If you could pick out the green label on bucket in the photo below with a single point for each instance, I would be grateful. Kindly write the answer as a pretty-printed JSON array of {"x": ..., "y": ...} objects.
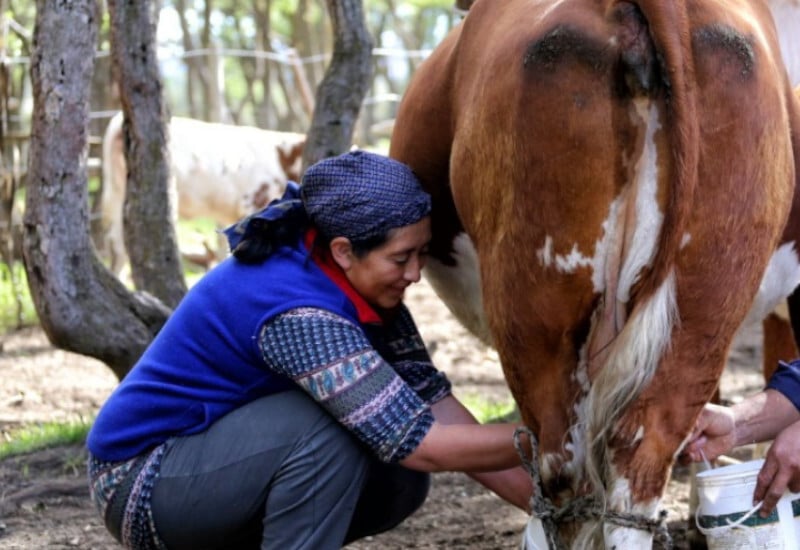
[
  {"x": 755, "y": 520},
  {"x": 796, "y": 507}
]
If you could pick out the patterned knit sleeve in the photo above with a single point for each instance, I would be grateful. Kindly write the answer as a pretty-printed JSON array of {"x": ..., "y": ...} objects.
[
  {"x": 406, "y": 352},
  {"x": 331, "y": 359}
]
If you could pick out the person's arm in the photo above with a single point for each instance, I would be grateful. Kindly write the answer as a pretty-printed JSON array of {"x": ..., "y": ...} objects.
[
  {"x": 331, "y": 359},
  {"x": 781, "y": 468},
  {"x": 405, "y": 350},
  {"x": 758, "y": 418},
  {"x": 761, "y": 417},
  {"x": 512, "y": 484}
]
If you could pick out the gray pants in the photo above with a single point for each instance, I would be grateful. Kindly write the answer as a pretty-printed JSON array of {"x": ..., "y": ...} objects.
[{"x": 278, "y": 473}]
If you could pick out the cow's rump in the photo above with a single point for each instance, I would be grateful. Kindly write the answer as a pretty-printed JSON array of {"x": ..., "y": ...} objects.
[{"x": 609, "y": 180}]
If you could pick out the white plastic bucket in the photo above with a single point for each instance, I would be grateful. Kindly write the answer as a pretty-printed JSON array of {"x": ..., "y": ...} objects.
[
  {"x": 534, "y": 537},
  {"x": 729, "y": 520}
]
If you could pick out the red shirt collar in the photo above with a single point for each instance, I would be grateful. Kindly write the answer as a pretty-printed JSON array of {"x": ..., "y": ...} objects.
[{"x": 366, "y": 313}]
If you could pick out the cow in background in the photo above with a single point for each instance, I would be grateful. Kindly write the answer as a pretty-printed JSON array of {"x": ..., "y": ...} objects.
[
  {"x": 610, "y": 182},
  {"x": 786, "y": 14},
  {"x": 218, "y": 171}
]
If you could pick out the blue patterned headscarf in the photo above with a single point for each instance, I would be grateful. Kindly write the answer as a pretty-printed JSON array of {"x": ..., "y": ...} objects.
[
  {"x": 361, "y": 195},
  {"x": 358, "y": 195}
]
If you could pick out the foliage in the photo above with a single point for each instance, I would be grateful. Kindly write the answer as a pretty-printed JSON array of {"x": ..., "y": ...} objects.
[
  {"x": 43, "y": 436},
  {"x": 16, "y": 304},
  {"x": 260, "y": 85},
  {"x": 192, "y": 233},
  {"x": 18, "y": 42}
]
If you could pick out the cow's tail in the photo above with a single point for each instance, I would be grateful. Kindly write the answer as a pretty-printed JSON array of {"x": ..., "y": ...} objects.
[
  {"x": 655, "y": 57},
  {"x": 668, "y": 78}
]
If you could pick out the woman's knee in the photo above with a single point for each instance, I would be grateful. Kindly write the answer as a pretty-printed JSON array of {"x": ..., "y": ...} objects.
[
  {"x": 391, "y": 494},
  {"x": 412, "y": 490}
]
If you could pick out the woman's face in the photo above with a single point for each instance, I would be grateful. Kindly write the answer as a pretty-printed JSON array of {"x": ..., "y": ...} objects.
[{"x": 383, "y": 275}]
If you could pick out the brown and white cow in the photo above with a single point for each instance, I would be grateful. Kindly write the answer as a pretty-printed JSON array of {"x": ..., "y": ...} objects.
[
  {"x": 218, "y": 171},
  {"x": 610, "y": 180}
]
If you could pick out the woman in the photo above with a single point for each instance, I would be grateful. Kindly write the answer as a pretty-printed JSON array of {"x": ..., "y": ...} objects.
[
  {"x": 771, "y": 414},
  {"x": 289, "y": 401}
]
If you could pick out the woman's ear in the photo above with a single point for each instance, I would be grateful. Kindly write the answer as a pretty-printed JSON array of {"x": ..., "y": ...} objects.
[{"x": 342, "y": 252}]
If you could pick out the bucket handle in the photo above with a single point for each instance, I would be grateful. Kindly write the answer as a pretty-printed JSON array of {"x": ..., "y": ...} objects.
[{"x": 738, "y": 524}]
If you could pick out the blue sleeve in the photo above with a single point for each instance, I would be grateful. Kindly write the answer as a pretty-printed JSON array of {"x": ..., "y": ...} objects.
[{"x": 787, "y": 381}]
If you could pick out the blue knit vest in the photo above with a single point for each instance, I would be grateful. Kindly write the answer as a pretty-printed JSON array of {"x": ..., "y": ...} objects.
[{"x": 205, "y": 361}]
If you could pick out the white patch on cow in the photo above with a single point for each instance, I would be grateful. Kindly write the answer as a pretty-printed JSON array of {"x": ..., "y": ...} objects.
[
  {"x": 564, "y": 263},
  {"x": 225, "y": 172},
  {"x": 633, "y": 358},
  {"x": 576, "y": 442},
  {"x": 459, "y": 286},
  {"x": 634, "y": 353},
  {"x": 639, "y": 435},
  {"x": 641, "y": 245},
  {"x": 780, "y": 279},
  {"x": 219, "y": 171},
  {"x": 569, "y": 263},
  {"x": 545, "y": 253},
  {"x": 606, "y": 248},
  {"x": 641, "y": 242},
  {"x": 687, "y": 238},
  {"x": 619, "y": 500},
  {"x": 550, "y": 463}
]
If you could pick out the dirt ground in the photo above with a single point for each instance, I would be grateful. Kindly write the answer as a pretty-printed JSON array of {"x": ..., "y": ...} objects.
[{"x": 44, "y": 502}]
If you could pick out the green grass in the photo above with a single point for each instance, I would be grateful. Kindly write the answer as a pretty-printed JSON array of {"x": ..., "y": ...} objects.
[
  {"x": 43, "y": 436},
  {"x": 487, "y": 411},
  {"x": 53, "y": 434}
]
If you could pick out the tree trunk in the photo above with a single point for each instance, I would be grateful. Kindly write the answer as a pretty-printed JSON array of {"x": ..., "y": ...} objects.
[
  {"x": 149, "y": 233},
  {"x": 194, "y": 69},
  {"x": 342, "y": 90},
  {"x": 82, "y": 307}
]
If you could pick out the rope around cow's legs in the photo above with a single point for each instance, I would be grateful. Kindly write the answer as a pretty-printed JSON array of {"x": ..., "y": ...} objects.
[{"x": 581, "y": 508}]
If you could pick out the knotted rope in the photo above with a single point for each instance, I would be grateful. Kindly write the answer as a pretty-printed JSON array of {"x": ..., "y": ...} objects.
[{"x": 581, "y": 508}]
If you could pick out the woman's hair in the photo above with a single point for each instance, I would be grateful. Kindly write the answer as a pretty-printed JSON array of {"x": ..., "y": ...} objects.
[
  {"x": 358, "y": 195},
  {"x": 361, "y": 247},
  {"x": 266, "y": 236}
]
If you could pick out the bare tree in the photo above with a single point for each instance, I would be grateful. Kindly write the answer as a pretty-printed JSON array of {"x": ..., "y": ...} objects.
[
  {"x": 149, "y": 234},
  {"x": 342, "y": 90},
  {"x": 82, "y": 307}
]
